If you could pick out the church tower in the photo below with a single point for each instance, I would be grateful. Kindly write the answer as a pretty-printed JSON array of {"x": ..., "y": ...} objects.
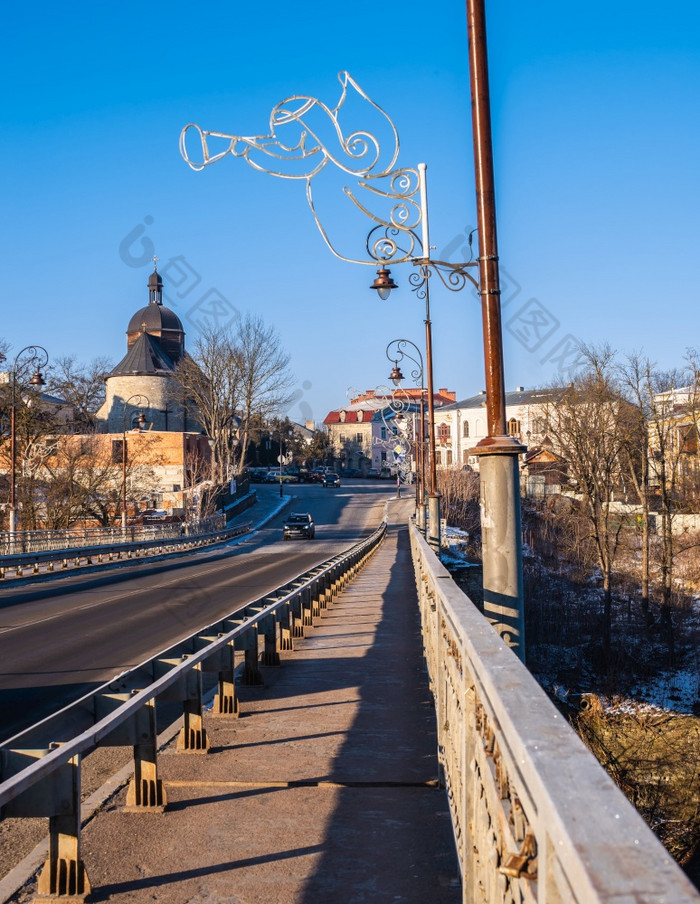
[{"x": 155, "y": 343}]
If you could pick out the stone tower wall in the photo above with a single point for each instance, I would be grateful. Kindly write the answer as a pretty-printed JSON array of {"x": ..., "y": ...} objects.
[{"x": 163, "y": 410}]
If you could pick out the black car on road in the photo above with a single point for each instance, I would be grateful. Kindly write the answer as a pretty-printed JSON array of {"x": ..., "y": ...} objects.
[{"x": 299, "y": 525}]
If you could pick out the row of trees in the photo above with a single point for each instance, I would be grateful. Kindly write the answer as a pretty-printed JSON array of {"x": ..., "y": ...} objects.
[
  {"x": 237, "y": 379},
  {"x": 628, "y": 432}
]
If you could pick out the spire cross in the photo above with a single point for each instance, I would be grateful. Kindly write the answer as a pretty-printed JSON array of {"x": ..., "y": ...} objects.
[{"x": 155, "y": 262}]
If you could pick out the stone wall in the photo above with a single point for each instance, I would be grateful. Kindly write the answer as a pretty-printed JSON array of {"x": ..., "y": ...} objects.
[{"x": 159, "y": 401}]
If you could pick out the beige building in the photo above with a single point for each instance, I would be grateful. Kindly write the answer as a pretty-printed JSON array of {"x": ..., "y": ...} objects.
[
  {"x": 359, "y": 434},
  {"x": 156, "y": 469}
]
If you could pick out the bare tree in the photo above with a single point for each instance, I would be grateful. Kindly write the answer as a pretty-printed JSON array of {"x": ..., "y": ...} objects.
[
  {"x": 78, "y": 478},
  {"x": 82, "y": 386},
  {"x": 670, "y": 406},
  {"x": 636, "y": 374},
  {"x": 34, "y": 423},
  {"x": 591, "y": 423},
  {"x": 210, "y": 381},
  {"x": 265, "y": 376}
]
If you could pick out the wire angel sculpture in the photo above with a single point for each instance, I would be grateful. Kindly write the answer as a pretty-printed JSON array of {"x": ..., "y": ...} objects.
[{"x": 305, "y": 137}]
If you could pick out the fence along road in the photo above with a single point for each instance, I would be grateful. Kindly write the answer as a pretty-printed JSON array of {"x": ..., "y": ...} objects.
[
  {"x": 46, "y": 781},
  {"x": 325, "y": 787}
]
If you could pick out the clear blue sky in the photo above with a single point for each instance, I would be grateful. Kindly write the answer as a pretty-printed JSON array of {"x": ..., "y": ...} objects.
[{"x": 596, "y": 136}]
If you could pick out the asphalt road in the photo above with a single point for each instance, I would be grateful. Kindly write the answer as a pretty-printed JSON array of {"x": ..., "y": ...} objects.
[{"x": 60, "y": 640}]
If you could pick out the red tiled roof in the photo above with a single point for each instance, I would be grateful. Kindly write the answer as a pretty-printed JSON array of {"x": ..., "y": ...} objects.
[{"x": 333, "y": 417}]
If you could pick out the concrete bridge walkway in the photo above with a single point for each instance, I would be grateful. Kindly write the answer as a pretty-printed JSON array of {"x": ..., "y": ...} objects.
[{"x": 325, "y": 788}]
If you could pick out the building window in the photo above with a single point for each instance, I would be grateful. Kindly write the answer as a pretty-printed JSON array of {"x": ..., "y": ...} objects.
[
  {"x": 438, "y": 457},
  {"x": 689, "y": 440},
  {"x": 358, "y": 439},
  {"x": 465, "y": 429},
  {"x": 465, "y": 457},
  {"x": 383, "y": 433},
  {"x": 449, "y": 456},
  {"x": 117, "y": 451},
  {"x": 443, "y": 432},
  {"x": 513, "y": 427}
]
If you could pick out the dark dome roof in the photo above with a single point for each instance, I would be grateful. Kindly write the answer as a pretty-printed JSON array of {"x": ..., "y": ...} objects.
[{"x": 156, "y": 317}]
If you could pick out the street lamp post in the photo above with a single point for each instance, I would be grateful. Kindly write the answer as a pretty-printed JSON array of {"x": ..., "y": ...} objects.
[
  {"x": 396, "y": 352},
  {"x": 280, "y": 459},
  {"x": 138, "y": 399},
  {"x": 384, "y": 245},
  {"x": 37, "y": 358},
  {"x": 501, "y": 528},
  {"x": 295, "y": 125}
]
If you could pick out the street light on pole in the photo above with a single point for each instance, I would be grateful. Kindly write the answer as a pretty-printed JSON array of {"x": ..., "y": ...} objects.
[
  {"x": 396, "y": 352},
  {"x": 138, "y": 399},
  {"x": 37, "y": 358},
  {"x": 294, "y": 126}
]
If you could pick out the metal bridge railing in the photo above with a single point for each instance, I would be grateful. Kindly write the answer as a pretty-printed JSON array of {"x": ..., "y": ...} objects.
[
  {"x": 40, "y": 768},
  {"x": 535, "y": 817},
  {"x": 30, "y": 541},
  {"x": 130, "y": 546}
]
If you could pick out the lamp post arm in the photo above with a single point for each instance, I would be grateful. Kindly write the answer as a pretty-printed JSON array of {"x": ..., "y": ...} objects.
[{"x": 396, "y": 352}]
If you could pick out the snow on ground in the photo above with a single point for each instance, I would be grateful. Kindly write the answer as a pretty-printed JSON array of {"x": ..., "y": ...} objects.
[{"x": 669, "y": 691}]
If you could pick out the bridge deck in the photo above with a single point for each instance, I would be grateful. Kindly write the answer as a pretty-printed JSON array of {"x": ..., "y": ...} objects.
[{"x": 325, "y": 787}]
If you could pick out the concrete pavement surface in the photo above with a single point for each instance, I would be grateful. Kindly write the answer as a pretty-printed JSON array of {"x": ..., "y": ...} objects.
[{"x": 324, "y": 789}]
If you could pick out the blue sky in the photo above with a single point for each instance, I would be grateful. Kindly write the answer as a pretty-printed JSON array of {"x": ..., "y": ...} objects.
[{"x": 596, "y": 137}]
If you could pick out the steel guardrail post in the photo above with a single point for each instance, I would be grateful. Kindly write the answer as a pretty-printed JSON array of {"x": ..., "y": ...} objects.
[
  {"x": 248, "y": 642},
  {"x": 270, "y": 653},
  {"x": 193, "y": 736},
  {"x": 58, "y": 797},
  {"x": 146, "y": 790},
  {"x": 222, "y": 661}
]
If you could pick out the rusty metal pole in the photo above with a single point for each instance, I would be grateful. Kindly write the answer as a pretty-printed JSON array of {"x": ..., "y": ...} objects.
[
  {"x": 123, "y": 475},
  {"x": 420, "y": 444},
  {"x": 498, "y": 453},
  {"x": 13, "y": 478},
  {"x": 433, "y": 529}
]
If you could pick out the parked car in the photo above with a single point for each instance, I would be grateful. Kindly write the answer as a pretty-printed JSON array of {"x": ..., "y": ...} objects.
[
  {"x": 331, "y": 479},
  {"x": 352, "y": 472},
  {"x": 258, "y": 475},
  {"x": 155, "y": 516},
  {"x": 276, "y": 477},
  {"x": 372, "y": 473},
  {"x": 299, "y": 525}
]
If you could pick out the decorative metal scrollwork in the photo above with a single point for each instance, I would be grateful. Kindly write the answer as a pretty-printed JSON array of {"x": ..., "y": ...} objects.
[
  {"x": 305, "y": 136},
  {"x": 396, "y": 353}
]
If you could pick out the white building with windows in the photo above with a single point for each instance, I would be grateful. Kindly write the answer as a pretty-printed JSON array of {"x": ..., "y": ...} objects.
[{"x": 462, "y": 425}]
